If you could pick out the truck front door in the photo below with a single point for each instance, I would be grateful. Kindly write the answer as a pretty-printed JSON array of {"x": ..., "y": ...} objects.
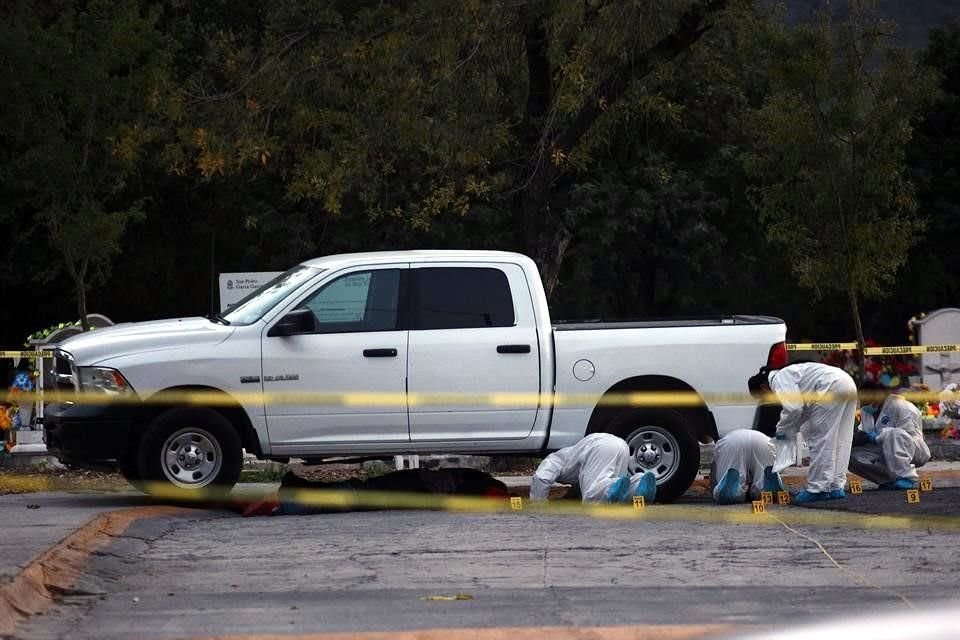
[{"x": 344, "y": 380}]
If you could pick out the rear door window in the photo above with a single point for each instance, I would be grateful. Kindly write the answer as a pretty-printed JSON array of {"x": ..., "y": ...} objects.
[{"x": 462, "y": 298}]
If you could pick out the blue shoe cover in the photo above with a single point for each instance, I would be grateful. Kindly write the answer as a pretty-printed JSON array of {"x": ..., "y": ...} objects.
[
  {"x": 619, "y": 490},
  {"x": 728, "y": 491},
  {"x": 803, "y": 496},
  {"x": 647, "y": 487},
  {"x": 837, "y": 494},
  {"x": 902, "y": 484},
  {"x": 771, "y": 480}
]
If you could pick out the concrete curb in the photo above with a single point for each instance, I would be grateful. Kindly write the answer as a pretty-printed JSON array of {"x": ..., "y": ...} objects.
[{"x": 55, "y": 571}]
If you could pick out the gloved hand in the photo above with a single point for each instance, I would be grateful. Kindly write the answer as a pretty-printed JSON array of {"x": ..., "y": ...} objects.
[
  {"x": 780, "y": 435},
  {"x": 872, "y": 437}
]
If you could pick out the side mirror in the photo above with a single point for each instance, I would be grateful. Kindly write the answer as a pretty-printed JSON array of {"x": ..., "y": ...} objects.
[{"x": 294, "y": 323}]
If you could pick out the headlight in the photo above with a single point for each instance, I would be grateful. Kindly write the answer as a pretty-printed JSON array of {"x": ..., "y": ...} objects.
[{"x": 103, "y": 380}]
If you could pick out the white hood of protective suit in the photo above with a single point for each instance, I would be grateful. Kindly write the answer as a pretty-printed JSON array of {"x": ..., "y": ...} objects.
[{"x": 93, "y": 347}]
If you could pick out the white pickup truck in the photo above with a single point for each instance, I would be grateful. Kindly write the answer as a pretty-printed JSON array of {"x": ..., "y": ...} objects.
[{"x": 418, "y": 352}]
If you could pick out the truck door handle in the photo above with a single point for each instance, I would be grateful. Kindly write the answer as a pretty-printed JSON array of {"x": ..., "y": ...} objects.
[
  {"x": 379, "y": 353},
  {"x": 513, "y": 348}
]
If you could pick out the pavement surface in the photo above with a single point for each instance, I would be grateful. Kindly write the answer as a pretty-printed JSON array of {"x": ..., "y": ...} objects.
[
  {"x": 33, "y": 522},
  {"x": 210, "y": 573}
]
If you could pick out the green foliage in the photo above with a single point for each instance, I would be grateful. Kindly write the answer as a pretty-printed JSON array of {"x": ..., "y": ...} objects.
[
  {"x": 148, "y": 146},
  {"x": 82, "y": 82},
  {"x": 833, "y": 189}
]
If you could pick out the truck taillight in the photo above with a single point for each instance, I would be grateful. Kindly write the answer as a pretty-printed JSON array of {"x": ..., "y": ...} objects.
[{"x": 778, "y": 356}]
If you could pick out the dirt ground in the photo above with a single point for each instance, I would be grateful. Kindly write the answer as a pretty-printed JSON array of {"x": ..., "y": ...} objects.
[{"x": 61, "y": 479}]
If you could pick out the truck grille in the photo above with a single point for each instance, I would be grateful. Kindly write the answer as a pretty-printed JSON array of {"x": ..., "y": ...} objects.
[{"x": 61, "y": 375}]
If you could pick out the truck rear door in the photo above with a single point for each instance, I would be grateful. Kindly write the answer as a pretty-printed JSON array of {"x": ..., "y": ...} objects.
[{"x": 473, "y": 333}]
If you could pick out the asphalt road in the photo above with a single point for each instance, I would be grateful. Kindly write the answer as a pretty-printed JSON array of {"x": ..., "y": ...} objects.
[{"x": 216, "y": 574}]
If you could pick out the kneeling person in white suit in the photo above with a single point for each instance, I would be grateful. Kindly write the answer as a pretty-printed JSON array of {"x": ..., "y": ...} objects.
[
  {"x": 743, "y": 467},
  {"x": 890, "y": 444},
  {"x": 598, "y": 465}
]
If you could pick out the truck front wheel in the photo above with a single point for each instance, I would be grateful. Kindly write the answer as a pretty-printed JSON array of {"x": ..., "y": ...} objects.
[
  {"x": 661, "y": 441},
  {"x": 186, "y": 452}
]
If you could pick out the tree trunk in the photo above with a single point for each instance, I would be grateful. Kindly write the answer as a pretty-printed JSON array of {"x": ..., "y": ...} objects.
[
  {"x": 82, "y": 304},
  {"x": 542, "y": 235},
  {"x": 858, "y": 327}
]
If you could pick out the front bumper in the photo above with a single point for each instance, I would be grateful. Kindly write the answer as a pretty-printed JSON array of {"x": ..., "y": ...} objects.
[{"x": 80, "y": 434}]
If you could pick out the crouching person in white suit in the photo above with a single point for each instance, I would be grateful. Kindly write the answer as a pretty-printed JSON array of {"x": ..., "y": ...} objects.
[
  {"x": 889, "y": 445},
  {"x": 743, "y": 467},
  {"x": 598, "y": 465}
]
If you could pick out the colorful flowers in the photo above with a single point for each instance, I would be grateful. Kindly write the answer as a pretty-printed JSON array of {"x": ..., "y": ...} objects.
[
  {"x": 890, "y": 371},
  {"x": 10, "y": 418}
]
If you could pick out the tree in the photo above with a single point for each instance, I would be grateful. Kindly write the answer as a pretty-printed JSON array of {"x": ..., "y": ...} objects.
[
  {"x": 82, "y": 83},
  {"x": 428, "y": 109},
  {"x": 831, "y": 181},
  {"x": 930, "y": 277}
]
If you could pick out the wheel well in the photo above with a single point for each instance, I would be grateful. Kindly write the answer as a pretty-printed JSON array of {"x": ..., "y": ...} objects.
[
  {"x": 229, "y": 409},
  {"x": 699, "y": 417}
]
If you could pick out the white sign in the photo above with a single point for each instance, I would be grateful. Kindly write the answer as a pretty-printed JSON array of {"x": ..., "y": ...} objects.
[{"x": 236, "y": 286}]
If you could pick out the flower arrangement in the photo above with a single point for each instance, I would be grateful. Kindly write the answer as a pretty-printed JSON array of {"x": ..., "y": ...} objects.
[
  {"x": 10, "y": 418},
  {"x": 44, "y": 333},
  {"x": 890, "y": 371},
  {"x": 949, "y": 415}
]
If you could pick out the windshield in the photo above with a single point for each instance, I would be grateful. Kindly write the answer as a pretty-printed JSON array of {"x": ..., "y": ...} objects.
[{"x": 254, "y": 306}]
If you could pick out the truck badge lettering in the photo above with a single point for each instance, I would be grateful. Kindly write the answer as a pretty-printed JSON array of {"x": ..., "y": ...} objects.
[
  {"x": 282, "y": 377},
  {"x": 246, "y": 379}
]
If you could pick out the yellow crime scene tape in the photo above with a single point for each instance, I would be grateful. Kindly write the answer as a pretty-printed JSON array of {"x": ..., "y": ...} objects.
[
  {"x": 910, "y": 349},
  {"x": 26, "y": 354},
  {"x": 673, "y": 399},
  {"x": 820, "y": 346},
  {"x": 341, "y": 499}
]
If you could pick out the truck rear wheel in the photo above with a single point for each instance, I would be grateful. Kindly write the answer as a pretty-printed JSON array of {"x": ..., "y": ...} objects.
[
  {"x": 189, "y": 452},
  {"x": 661, "y": 441}
]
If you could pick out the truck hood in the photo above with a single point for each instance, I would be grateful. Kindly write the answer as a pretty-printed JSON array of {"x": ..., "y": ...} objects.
[{"x": 98, "y": 345}]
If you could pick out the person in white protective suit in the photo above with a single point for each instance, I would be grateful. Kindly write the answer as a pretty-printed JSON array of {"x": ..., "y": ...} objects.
[
  {"x": 820, "y": 403},
  {"x": 599, "y": 466},
  {"x": 890, "y": 445},
  {"x": 743, "y": 467}
]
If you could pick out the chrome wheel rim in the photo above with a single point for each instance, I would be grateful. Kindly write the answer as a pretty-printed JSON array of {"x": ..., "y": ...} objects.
[
  {"x": 655, "y": 449},
  {"x": 191, "y": 458}
]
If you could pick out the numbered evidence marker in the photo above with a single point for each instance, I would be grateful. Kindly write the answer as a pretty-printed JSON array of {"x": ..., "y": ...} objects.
[
  {"x": 758, "y": 506},
  {"x": 766, "y": 497},
  {"x": 913, "y": 496},
  {"x": 516, "y": 504},
  {"x": 639, "y": 503},
  {"x": 926, "y": 484},
  {"x": 783, "y": 497},
  {"x": 856, "y": 487}
]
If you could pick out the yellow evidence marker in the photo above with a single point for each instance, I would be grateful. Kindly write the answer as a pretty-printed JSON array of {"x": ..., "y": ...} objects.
[
  {"x": 856, "y": 487},
  {"x": 639, "y": 503},
  {"x": 913, "y": 496},
  {"x": 766, "y": 497},
  {"x": 783, "y": 497},
  {"x": 926, "y": 484},
  {"x": 516, "y": 504},
  {"x": 758, "y": 506}
]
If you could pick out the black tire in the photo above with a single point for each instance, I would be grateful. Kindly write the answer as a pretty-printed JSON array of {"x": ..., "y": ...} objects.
[
  {"x": 129, "y": 468},
  {"x": 190, "y": 453},
  {"x": 662, "y": 441}
]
